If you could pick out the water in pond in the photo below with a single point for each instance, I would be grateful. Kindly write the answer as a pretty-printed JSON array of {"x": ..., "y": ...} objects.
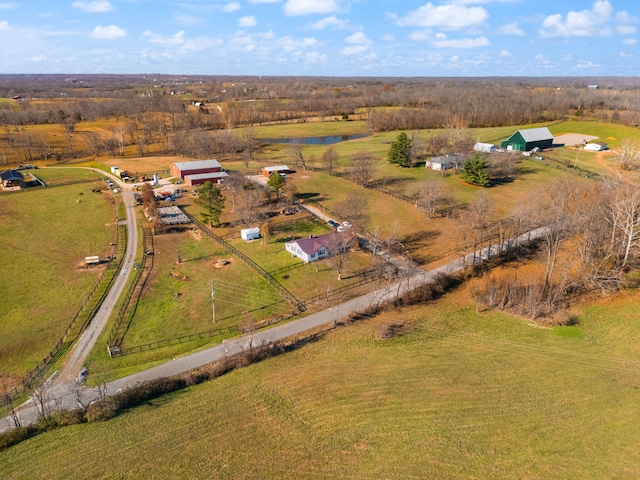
[{"x": 328, "y": 140}]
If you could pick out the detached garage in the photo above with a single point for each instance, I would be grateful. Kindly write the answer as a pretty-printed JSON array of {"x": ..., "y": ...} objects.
[{"x": 528, "y": 139}]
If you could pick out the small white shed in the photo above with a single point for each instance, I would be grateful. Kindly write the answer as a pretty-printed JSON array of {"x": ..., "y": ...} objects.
[
  {"x": 248, "y": 234},
  {"x": 595, "y": 147},
  {"x": 485, "y": 147}
]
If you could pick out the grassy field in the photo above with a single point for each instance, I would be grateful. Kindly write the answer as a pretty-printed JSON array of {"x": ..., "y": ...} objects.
[
  {"x": 58, "y": 175},
  {"x": 455, "y": 395},
  {"x": 46, "y": 235}
]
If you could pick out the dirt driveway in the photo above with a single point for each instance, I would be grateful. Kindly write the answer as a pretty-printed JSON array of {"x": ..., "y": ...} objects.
[{"x": 571, "y": 139}]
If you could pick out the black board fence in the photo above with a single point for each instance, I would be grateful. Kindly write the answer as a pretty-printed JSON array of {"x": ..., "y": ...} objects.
[{"x": 76, "y": 326}]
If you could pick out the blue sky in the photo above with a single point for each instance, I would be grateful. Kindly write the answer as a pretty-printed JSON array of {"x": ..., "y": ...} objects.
[{"x": 322, "y": 37}]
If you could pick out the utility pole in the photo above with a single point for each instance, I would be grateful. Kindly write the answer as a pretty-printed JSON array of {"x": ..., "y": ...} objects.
[{"x": 213, "y": 303}]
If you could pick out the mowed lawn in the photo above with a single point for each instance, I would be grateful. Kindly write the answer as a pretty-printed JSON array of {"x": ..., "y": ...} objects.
[
  {"x": 46, "y": 234},
  {"x": 455, "y": 395}
]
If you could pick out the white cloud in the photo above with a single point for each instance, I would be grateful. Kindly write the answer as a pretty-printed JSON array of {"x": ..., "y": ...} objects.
[
  {"x": 265, "y": 1},
  {"x": 248, "y": 21},
  {"x": 511, "y": 29},
  {"x": 111, "y": 32},
  {"x": 625, "y": 29},
  {"x": 586, "y": 23},
  {"x": 358, "y": 38},
  {"x": 306, "y": 7},
  {"x": 629, "y": 41},
  {"x": 95, "y": 6},
  {"x": 8, "y": 6},
  {"x": 156, "y": 39},
  {"x": 354, "y": 50},
  {"x": 587, "y": 64},
  {"x": 505, "y": 53},
  {"x": 331, "y": 21},
  {"x": 447, "y": 17},
  {"x": 4, "y": 26},
  {"x": 462, "y": 43},
  {"x": 388, "y": 37},
  {"x": 38, "y": 58},
  {"x": 420, "y": 36},
  {"x": 626, "y": 55},
  {"x": 231, "y": 7},
  {"x": 315, "y": 57}
]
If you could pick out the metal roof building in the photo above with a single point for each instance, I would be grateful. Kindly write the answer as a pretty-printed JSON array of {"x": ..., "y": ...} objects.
[
  {"x": 180, "y": 169},
  {"x": 528, "y": 139}
]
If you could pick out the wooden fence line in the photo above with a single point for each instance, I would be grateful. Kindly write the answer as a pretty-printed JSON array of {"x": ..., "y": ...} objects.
[
  {"x": 251, "y": 263},
  {"x": 115, "y": 339},
  {"x": 70, "y": 334}
]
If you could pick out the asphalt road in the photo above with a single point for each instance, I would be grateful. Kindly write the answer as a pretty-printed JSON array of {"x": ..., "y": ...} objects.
[{"x": 66, "y": 396}]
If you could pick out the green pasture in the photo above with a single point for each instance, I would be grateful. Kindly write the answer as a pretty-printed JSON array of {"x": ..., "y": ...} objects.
[
  {"x": 47, "y": 233},
  {"x": 58, "y": 175},
  {"x": 613, "y": 135},
  {"x": 455, "y": 395},
  {"x": 177, "y": 297}
]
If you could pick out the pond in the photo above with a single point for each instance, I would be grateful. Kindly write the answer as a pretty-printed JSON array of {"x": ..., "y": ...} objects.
[{"x": 328, "y": 140}]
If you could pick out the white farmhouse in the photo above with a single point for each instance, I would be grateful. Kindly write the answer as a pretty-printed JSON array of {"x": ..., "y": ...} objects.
[{"x": 313, "y": 248}]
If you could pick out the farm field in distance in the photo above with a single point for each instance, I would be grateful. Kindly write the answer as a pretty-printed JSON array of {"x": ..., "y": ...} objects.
[{"x": 455, "y": 394}]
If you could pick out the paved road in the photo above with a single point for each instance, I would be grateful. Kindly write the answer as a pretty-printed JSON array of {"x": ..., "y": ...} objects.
[{"x": 67, "y": 398}]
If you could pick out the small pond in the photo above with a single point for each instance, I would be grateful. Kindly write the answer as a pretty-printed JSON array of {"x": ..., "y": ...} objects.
[{"x": 328, "y": 140}]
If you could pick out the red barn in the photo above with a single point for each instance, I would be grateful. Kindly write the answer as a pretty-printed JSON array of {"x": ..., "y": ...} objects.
[{"x": 198, "y": 172}]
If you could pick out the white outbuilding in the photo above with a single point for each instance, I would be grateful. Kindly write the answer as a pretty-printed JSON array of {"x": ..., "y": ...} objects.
[
  {"x": 595, "y": 147},
  {"x": 485, "y": 147},
  {"x": 248, "y": 234}
]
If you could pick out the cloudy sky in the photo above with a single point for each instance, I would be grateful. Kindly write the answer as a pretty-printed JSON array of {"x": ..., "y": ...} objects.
[{"x": 322, "y": 37}]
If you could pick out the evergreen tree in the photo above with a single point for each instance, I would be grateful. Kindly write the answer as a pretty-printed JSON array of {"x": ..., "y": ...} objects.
[
  {"x": 400, "y": 150},
  {"x": 276, "y": 182},
  {"x": 211, "y": 200},
  {"x": 476, "y": 171}
]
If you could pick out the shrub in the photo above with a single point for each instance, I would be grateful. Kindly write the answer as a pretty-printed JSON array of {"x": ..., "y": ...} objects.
[
  {"x": 16, "y": 435},
  {"x": 102, "y": 410}
]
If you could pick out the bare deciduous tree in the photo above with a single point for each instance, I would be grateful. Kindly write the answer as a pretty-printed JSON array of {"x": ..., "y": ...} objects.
[
  {"x": 329, "y": 160},
  {"x": 363, "y": 167}
]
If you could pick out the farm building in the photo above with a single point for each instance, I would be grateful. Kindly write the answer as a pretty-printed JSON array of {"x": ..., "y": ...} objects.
[
  {"x": 12, "y": 178},
  {"x": 267, "y": 171},
  {"x": 485, "y": 147},
  {"x": 250, "y": 233},
  {"x": 200, "y": 178},
  {"x": 528, "y": 139},
  {"x": 198, "y": 172},
  {"x": 445, "y": 162},
  {"x": 313, "y": 249},
  {"x": 596, "y": 146}
]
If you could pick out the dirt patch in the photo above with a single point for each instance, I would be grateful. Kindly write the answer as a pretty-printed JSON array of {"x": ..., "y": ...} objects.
[{"x": 570, "y": 139}]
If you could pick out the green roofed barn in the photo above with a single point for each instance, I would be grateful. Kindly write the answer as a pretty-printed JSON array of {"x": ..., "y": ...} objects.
[{"x": 528, "y": 139}]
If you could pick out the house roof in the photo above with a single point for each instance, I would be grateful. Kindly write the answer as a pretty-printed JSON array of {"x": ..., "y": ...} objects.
[
  {"x": 205, "y": 176},
  {"x": 313, "y": 244},
  {"x": 276, "y": 168},
  {"x": 11, "y": 176},
  {"x": 198, "y": 164},
  {"x": 453, "y": 157},
  {"x": 536, "y": 134}
]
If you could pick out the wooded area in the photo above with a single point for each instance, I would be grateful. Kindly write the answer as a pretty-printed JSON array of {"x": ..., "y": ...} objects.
[{"x": 195, "y": 116}]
